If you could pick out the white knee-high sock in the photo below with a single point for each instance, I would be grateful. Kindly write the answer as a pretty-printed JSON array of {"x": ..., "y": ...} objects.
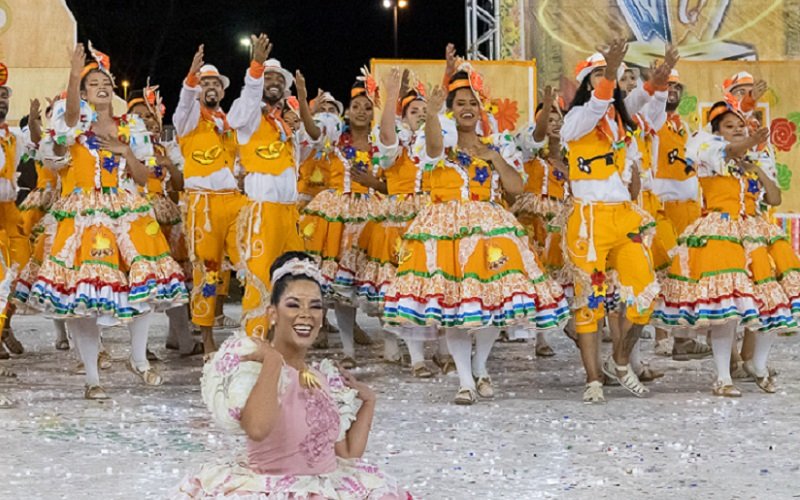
[
  {"x": 541, "y": 338},
  {"x": 346, "y": 320},
  {"x": 139, "y": 328},
  {"x": 459, "y": 343},
  {"x": 722, "y": 338},
  {"x": 61, "y": 329},
  {"x": 763, "y": 345},
  {"x": 179, "y": 330},
  {"x": 442, "y": 345},
  {"x": 86, "y": 335},
  {"x": 416, "y": 348},
  {"x": 484, "y": 340},
  {"x": 391, "y": 347}
]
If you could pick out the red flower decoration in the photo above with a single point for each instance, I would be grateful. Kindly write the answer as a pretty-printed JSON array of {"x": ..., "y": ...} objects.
[
  {"x": 783, "y": 134},
  {"x": 635, "y": 237},
  {"x": 598, "y": 278}
]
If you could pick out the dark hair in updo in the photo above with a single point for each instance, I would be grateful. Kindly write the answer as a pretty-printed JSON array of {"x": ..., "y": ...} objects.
[
  {"x": 282, "y": 284},
  {"x": 715, "y": 123},
  {"x": 91, "y": 71}
]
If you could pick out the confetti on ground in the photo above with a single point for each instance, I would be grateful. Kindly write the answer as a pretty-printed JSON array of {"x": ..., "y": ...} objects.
[{"x": 535, "y": 440}]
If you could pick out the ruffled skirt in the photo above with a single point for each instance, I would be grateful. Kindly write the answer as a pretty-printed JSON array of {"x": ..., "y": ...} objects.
[
  {"x": 469, "y": 265},
  {"x": 775, "y": 269},
  {"x": 34, "y": 207},
  {"x": 331, "y": 226},
  {"x": 379, "y": 248},
  {"x": 709, "y": 282},
  {"x": 169, "y": 217},
  {"x": 543, "y": 217},
  {"x": 352, "y": 480},
  {"x": 107, "y": 257}
]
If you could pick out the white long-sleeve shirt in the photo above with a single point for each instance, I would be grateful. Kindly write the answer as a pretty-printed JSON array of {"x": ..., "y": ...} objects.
[
  {"x": 578, "y": 122},
  {"x": 245, "y": 118},
  {"x": 185, "y": 120}
]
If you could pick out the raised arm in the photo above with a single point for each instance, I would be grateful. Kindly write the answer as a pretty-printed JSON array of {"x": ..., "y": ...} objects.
[
  {"x": 388, "y": 135},
  {"x": 77, "y": 63},
  {"x": 187, "y": 112},
  {"x": 245, "y": 113},
  {"x": 583, "y": 119},
  {"x": 540, "y": 132},
  {"x": 434, "y": 142},
  {"x": 35, "y": 121},
  {"x": 312, "y": 129}
]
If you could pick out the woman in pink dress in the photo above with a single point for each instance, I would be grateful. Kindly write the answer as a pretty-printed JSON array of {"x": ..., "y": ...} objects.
[{"x": 306, "y": 426}]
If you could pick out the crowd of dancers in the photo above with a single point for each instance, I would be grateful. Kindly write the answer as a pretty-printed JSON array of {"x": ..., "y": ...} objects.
[{"x": 603, "y": 216}]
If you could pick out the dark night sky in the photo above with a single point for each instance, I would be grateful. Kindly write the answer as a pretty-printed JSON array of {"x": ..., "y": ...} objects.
[{"x": 329, "y": 40}]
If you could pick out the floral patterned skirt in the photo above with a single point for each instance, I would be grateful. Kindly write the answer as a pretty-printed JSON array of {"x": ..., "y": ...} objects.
[
  {"x": 469, "y": 265},
  {"x": 331, "y": 226},
  {"x": 775, "y": 269},
  {"x": 169, "y": 217},
  {"x": 379, "y": 249},
  {"x": 106, "y": 257},
  {"x": 709, "y": 282},
  {"x": 34, "y": 207},
  {"x": 352, "y": 480},
  {"x": 543, "y": 217}
]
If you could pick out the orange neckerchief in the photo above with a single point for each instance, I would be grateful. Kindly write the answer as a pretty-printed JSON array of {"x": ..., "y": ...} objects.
[
  {"x": 675, "y": 122},
  {"x": 605, "y": 128},
  {"x": 276, "y": 116},
  {"x": 213, "y": 115}
]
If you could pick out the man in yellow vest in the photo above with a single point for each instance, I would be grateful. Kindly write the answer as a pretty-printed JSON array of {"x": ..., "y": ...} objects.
[
  {"x": 266, "y": 153},
  {"x": 12, "y": 144},
  {"x": 676, "y": 185},
  {"x": 213, "y": 199}
]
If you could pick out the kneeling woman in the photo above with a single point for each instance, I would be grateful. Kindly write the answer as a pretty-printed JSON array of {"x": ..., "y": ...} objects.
[{"x": 306, "y": 426}]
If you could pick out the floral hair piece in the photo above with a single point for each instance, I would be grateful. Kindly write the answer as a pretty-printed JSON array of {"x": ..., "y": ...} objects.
[
  {"x": 297, "y": 267},
  {"x": 475, "y": 81},
  {"x": 101, "y": 62},
  {"x": 416, "y": 92},
  {"x": 370, "y": 86},
  {"x": 729, "y": 105}
]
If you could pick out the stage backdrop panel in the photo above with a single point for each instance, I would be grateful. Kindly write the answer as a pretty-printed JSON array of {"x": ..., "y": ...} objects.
[
  {"x": 779, "y": 109},
  {"x": 512, "y": 85}
]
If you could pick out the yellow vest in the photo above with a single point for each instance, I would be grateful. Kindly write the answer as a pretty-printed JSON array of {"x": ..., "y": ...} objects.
[
  {"x": 595, "y": 157},
  {"x": 267, "y": 152},
  {"x": 644, "y": 142},
  {"x": 672, "y": 162},
  {"x": 206, "y": 151},
  {"x": 9, "y": 145}
]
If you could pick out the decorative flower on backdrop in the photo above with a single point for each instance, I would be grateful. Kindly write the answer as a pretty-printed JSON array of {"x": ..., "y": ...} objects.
[{"x": 783, "y": 134}]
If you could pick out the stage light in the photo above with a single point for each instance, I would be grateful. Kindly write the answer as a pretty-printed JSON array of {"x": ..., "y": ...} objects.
[
  {"x": 387, "y": 4},
  {"x": 402, "y": 4}
]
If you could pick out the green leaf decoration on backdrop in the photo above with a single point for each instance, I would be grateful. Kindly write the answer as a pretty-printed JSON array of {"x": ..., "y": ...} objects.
[{"x": 784, "y": 176}]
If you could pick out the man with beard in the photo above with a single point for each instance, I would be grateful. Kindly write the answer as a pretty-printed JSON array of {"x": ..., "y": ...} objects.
[
  {"x": 213, "y": 200},
  {"x": 676, "y": 185},
  {"x": 13, "y": 144},
  {"x": 267, "y": 155}
]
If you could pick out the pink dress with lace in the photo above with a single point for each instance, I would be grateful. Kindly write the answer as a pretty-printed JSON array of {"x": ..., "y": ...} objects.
[{"x": 297, "y": 460}]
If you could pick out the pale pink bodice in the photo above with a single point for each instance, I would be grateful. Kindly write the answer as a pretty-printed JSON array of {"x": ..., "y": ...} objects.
[{"x": 302, "y": 442}]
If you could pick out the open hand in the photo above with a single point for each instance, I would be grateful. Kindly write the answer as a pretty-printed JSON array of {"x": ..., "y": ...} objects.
[
  {"x": 261, "y": 47},
  {"x": 300, "y": 85},
  {"x": 77, "y": 60},
  {"x": 614, "y": 54},
  {"x": 365, "y": 393},
  {"x": 197, "y": 61}
]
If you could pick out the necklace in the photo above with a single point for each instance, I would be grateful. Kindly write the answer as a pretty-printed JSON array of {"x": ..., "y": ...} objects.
[{"x": 308, "y": 379}]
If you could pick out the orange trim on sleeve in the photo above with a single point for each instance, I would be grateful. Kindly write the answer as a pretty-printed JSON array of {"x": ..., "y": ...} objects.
[
  {"x": 256, "y": 69},
  {"x": 192, "y": 80},
  {"x": 605, "y": 89},
  {"x": 652, "y": 89}
]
